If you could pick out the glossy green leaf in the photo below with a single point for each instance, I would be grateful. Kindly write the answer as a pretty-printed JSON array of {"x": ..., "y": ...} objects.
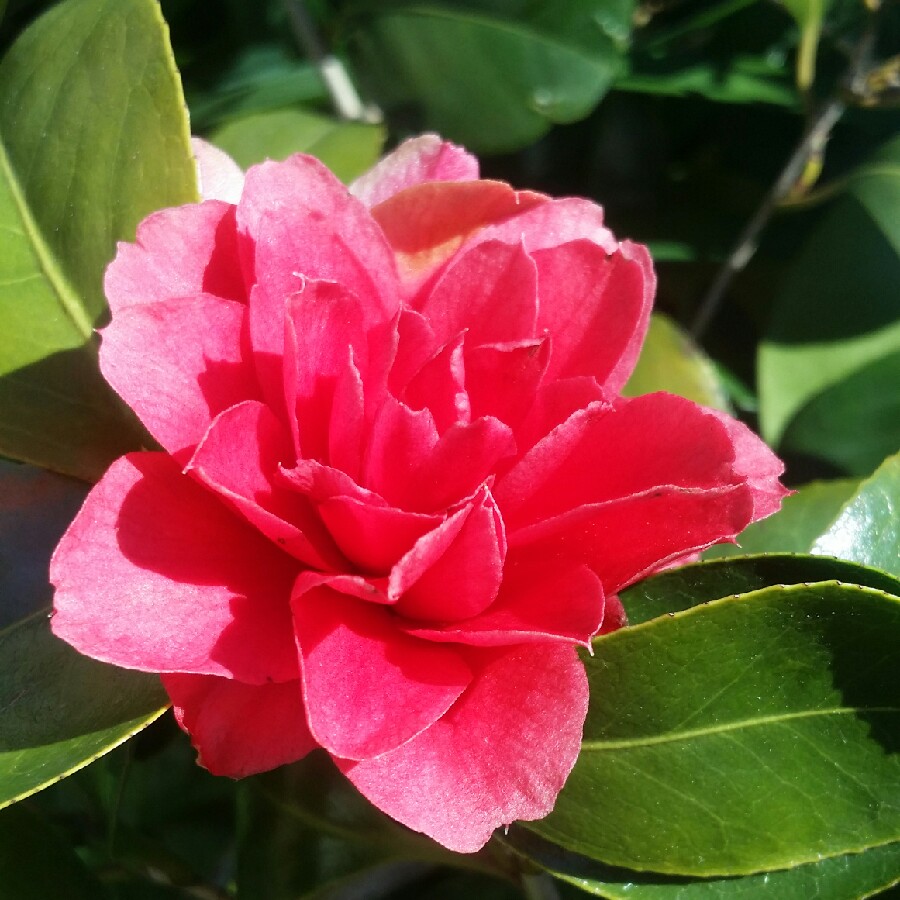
[
  {"x": 855, "y": 423},
  {"x": 671, "y": 361},
  {"x": 752, "y": 733},
  {"x": 850, "y": 877},
  {"x": 868, "y": 528},
  {"x": 347, "y": 148},
  {"x": 36, "y": 863},
  {"x": 515, "y": 68},
  {"x": 794, "y": 528},
  {"x": 839, "y": 312},
  {"x": 680, "y": 589},
  {"x": 93, "y": 137},
  {"x": 304, "y": 830},
  {"x": 58, "y": 710}
]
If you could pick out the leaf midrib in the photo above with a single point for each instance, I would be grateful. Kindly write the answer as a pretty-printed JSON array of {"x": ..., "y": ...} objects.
[
  {"x": 68, "y": 298},
  {"x": 710, "y": 731}
]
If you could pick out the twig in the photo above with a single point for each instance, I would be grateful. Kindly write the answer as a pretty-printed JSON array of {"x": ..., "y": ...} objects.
[{"x": 344, "y": 96}]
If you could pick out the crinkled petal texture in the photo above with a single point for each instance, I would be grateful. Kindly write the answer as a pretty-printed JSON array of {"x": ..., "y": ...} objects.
[{"x": 397, "y": 486}]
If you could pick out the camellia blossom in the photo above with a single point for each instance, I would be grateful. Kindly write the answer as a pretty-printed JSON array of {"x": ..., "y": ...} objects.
[{"x": 398, "y": 485}]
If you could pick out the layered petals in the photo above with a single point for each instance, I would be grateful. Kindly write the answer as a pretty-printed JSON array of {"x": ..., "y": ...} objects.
[
  {"x": 368, "y": 687},
  {"x": 501, "y": 753}
]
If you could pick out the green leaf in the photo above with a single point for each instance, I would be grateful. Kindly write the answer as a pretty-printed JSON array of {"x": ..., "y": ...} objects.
[
  {"x": 855, "y": 423},
  {"x": 839, "y": 313},
  {"x": 794, "y": 528},
  {"x": 304, "y": 830},
  {"x": 36, "y": 863},
  {"x": 744, "y": 79},
  {"x": 515, "y": 68},
  {"x": 868, "y": 528},
  {"x": 671, "y": 361},
  {"x": 347, "y": 148},
  {"x": 849, "y": 877},
  {"x": 93, "y": 136},
  {"x": 58, "y": 710},
  {"x": 755, "y": 732},
  {"x": 687, "y": 586}
]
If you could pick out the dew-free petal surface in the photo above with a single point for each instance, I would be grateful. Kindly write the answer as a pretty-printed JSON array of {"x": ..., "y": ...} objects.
[
  {"x": 500, "y": 754},
  {"x": 176, "y": 581}
]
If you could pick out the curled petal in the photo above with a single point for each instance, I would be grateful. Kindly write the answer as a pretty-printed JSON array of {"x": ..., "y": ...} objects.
[
  {"x": 219, "y": 177},
  {"x": 240, "y": 729},
  {"x": 501, "y": 753}
]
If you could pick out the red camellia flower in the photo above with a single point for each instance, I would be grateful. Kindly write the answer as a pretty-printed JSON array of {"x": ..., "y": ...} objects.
[{"x": 398, "y": 485}]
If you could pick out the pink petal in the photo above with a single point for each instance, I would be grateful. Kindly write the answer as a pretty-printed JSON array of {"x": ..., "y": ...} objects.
[
  {"x": 491, "y": 291},
  {"x": 439, "y": 387},
  {"x": 600, "y": 454},
  {"x": 756, "y": 463},
  {"x": 502, "y": 379},
  {"x": 156, "y": 574},
  {"x": 539, "y": 601},
  {"x": 427, "y": 224},
  {"x": 627, "y": 539},
  {"x": 240, "y": 729},
  {"x": 325, "y": 335},
  {"x": 219, "y": 177},
  {"x": 453, "y": 572},
  {"x": 554, "y": 222},
  {"x": 240, "y": 458},
  {"x": 415, "y": 346},
  {"x": 371, "y": 536},
  {"x": 296, "y": 221},
  {"x": 177, "y": 253},
  {"x": 597, "y": 307},
  {"x": 178, "y": 364},
  {"x": 368, "y": 687},
  {"x": 553, "y": 404},
  {"x": 415, "y": 161},
  {"x": 500, "y": 754}
]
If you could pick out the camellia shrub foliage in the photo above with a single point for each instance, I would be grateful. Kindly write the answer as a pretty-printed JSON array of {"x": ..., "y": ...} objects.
[{"x": 478, "y": 421}]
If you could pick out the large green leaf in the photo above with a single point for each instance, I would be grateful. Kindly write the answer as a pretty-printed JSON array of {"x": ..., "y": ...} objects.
[
  {"x": 755, "y": 732},
  {"x": 493, "y": 76},
  {"x": 850, "y": 877},
  {"x": 671, "y": 361},
  {"x": 37, "y": 864},
  {"x": 837, "y": 314},
  {"x": 93, "y": 136},
  {"x": 58, "y": 710},
  {"x": 868, "y": 528},
  {"x": 794, "y": 528},
  {"x": 347, "y": 148}
]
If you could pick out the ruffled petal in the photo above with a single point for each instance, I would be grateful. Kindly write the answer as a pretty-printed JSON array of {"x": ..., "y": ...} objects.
[
  {"x": 597, "y": 307},
  {"x": 240, "y": 729},
  {"x": 240, "y": 459},
  {"x": 415, "y": 161},
  {"x": 440, "y": 386},
  {"x": 454, "y": 571},
  {"x": 178, "y": 386},
  {"x": 502, "y": 753},
  {"x": 177, "y": 253},
  {"x": 156, "y": 574},
  {"x": 368, "y": 687},
  {"x": 539, "y": 601}
]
